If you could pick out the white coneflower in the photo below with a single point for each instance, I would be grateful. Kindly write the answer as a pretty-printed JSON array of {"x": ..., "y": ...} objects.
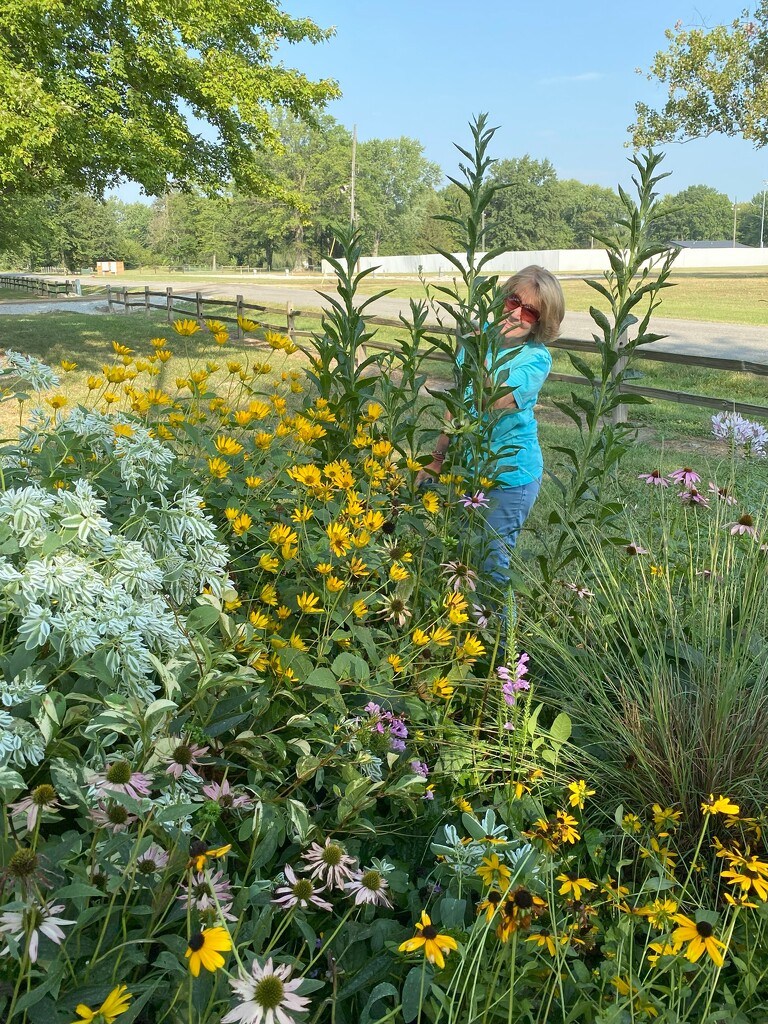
[
  {"x": 369, "y": 886},
  {"x": 269, "y": 997},
  {"x": 330, "y": 863},
  {"x": 300, "y": 892},
  {"x": 35, "y": 920}
]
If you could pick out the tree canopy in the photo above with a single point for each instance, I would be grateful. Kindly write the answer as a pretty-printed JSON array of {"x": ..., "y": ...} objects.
[
  {"x": 717, "y": 81},
  {"x": 95, "y": 90},
  {"x": 697, "y": 214}
]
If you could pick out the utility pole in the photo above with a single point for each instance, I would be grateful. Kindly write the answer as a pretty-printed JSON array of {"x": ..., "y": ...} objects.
[
  {"x": 734, "y": 221},
  {"x": 352, "y": 193},
  {"x": 762, "y": 218}
]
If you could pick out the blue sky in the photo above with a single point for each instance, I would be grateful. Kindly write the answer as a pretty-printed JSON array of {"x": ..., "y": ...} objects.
[{"x": 558, "y": 78}]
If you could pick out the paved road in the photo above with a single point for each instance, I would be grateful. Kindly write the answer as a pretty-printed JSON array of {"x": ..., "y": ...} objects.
[{"x": 693, "y": 337}]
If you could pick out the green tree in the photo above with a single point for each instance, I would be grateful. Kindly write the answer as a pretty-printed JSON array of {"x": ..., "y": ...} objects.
[
  {"x": 394, "y": 184},
  {"x": 716, "y": 80},
  {"x": 697, "y": 214},
  {"x": 589, "y": 211},
  {"x": 95, "y": 90},
  {"x": 752, "y": 217},
  {"x": 529, "y": 213}
]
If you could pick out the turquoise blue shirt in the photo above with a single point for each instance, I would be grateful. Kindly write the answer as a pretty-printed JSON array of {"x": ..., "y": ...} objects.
[{"x": 525, "y": 373}]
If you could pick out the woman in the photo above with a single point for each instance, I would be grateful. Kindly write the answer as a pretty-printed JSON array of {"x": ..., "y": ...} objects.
[{"x": 534, "y": 308}]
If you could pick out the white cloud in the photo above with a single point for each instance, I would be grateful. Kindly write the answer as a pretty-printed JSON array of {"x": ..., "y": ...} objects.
[{"x": 585, "y": 76}]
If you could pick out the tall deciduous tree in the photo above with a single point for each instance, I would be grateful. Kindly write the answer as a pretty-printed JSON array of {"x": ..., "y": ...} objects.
[
  {"x": 717, "y": 81},
  {"x": 589, "y": 211},
  {"x": 697, "y": 214},
  {"x": 529, "y": 213},
  {"x": 95, "y": 90}
]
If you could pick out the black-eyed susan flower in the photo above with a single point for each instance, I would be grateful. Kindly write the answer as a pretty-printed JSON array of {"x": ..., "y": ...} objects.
[
  {"x": 441, "y": 687},
  {"x": 433, "y": 942},
  {"x": 200, "y": 852},
  {"x": 700, "y": 936},
  {"x": 578, "y": 793},
  {"x": 516, "y": 912},
  {"x": 186, "y": 328},
  {"x": 493, "y": 872},
  {"x": 205, "y": 949},
  {"x": 116, "y": 1003},
  {"x": 721, "y": 805},
  {"x": 749, "y": 873},
  {"x": 544, "y": 940},
  {"x": 665, "y": 819},
  {"x": 490, "y": 904},
  {"x": 573, "y": 885},
  {"x": 660, "y": 949},
  {"x": 661, "y": 913}
]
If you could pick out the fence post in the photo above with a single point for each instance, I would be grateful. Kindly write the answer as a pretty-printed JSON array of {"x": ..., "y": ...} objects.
[
  {"x": 239, "y": 313},
  {"x": 147, "y": 309},
  {"x": 199, "y": 306},
  {"x": 619, "y": 413},
  {"x": 125, "y": 300},
  {"x": 290, "y": 320},
  {"x": 109, "y": 297},
  {"x": 169, "y": 303}
]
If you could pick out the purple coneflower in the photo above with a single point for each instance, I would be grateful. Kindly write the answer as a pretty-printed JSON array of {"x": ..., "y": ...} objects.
[
  {"x": 395, "y": 610},
  {"x": 635, "y": 549},
  {"x": 113, "y": 816},
  {"x": 369, "y": 886},
  {"x": 202, "y": 894},
  {"x": 329, "y": 863},
  {"x": 34, "y": 920},
  {"x": 300, "y": 892},
  {"x": 152, "y": 860},
  {"x": 686, "y": 477},
  {"x": 476, "y": 500},
  {"x": 41, "y": 798},
  {"x": 722, "y": 493},
  {"x": 459, "y": 575},
  {"x": 654, "y": 478},
  {"x": 223, "y": 794},
  {"x": 693, "y": 497},
  {"x": 119, "y": 777},
  {"x": 268, "y": 996},
  {"x": 744, "y": 525},
  {"x": 185, "y": 757},
  {"x": 482, "y": 614}
]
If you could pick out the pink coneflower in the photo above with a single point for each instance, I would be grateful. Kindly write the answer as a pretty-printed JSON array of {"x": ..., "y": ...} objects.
[
  {"x": 300, "y": 892},
  {"x": 113, "y": 816},
  {"x": 579, "y": 590},
  {"x": 369, "y": 886},
  {"x": 41, "y": 798},
  {"x": 34, "y": 920},
  {"x": 223, "y": 794},
  {"x": 330, "y": 863},
  {"x": 185, "y": 757},
  {"x": 635, "y": 549},
  {"x": 722, "y": 493},
  {"x": 202, "y": 893},
  {"x": 654, "y": 478},
  {"x": 153, "y": 859},
  {"x": 119, "y": 777},
  {"x": 459, "y": 575},
  {"x": 693, "y": 497},
  {"x": 476, "y": 500},
  {"x": 686, "y": 477},
  {"x": 744, "y": 525},
  {"x": 268, "y": 996}
]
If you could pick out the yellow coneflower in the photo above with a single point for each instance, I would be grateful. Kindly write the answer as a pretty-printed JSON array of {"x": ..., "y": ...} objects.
[
  {"x": 433, "y": 942},
  {"x": 441, "y": 636},
  {"x": 492, "y": 871},
  {"x": 359, "y": 609},
  {"x": 396, "y": 662},
  {"x": 544, "y": 940},
  {"x": 398, "y": 573},
  {"x": 218, "y": 468},
  {"x": 205, "y": 949},
  {"x": 574, "y": 885},
  {"x": 441, "y": 687},
  {"x": 115, "y": 1004},
  {"x": 186, "y": 328},
  {"x": 721, "y": 805},
  {"x": 309, "y": 604},
  {"x": 700, "y": 936},
  {"x": 579, "y": 793}
]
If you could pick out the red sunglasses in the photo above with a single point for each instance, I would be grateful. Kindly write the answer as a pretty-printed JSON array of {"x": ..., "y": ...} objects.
[{"x": 528, "y": 314}]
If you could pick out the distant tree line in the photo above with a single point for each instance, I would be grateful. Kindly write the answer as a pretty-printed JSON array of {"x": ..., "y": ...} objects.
[{"x": 398, "y": 192}]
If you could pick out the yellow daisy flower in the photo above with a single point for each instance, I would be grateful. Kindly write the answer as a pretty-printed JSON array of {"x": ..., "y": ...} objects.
[
  {"x": 205, "y": 949},
  {"x": 115, "y": 1004},
  {"x": 700, "y": 936},
  {"x": 433, "y": 942}
]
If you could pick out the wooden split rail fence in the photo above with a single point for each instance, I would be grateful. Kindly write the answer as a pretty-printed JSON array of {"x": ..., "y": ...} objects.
[{"x": 193, "y": 306}]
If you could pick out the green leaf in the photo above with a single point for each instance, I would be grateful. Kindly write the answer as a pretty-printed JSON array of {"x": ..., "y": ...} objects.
[
  {"x": 416, "y": 988},
  {"x": 560, "y": 730},
  {"x": 322, "y": 679},
  {"x": 382, "y": 991},
  {"x": 452, "y": 912}
]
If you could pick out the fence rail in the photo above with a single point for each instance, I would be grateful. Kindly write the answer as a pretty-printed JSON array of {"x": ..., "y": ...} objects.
[
  {"x": 172, "y": 302},
  {"x": 37, "y": 284}
]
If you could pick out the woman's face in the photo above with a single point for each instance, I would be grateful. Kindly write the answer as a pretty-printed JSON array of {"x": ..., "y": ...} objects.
[{"x": 517, "y": 324}]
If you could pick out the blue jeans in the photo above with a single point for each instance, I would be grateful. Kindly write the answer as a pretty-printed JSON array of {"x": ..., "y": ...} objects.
[{"x": 504, "y": 519}]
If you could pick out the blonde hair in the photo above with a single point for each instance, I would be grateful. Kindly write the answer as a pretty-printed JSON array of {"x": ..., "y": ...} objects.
[{"x": 549, "y": 297}]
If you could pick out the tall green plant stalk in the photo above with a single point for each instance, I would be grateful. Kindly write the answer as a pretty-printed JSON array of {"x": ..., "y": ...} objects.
[{"x": 639, "y": 271}]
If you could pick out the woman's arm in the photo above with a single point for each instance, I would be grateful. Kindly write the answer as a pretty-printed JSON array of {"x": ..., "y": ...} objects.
[{"x": 435, "y": 467}]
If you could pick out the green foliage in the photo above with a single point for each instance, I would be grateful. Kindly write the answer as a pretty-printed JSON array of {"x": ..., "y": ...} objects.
[
  {"x": 94, "y": 92},
  {"x": 716, "y": 82},
  {"x": 528, "y": 213},
  {"x": 698, "y": 213}
]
